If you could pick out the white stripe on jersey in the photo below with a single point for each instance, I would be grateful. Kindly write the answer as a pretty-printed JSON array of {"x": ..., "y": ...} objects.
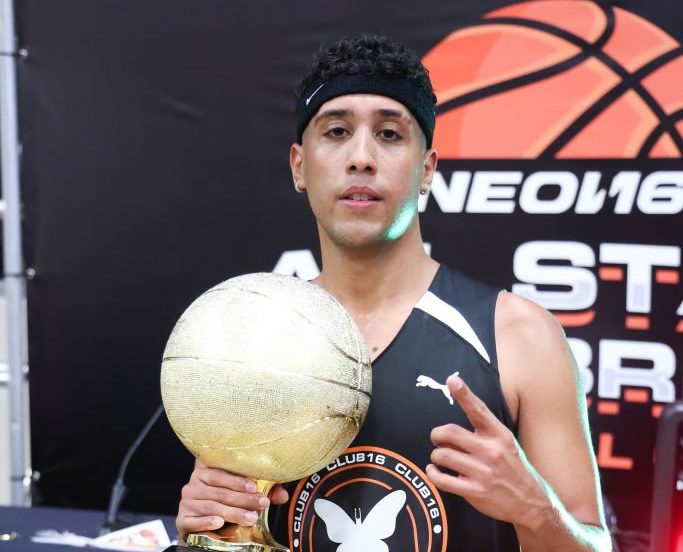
[{"x": 451, "y": 316}]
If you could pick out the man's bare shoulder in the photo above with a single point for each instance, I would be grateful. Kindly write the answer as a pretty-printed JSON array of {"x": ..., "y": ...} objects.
[
  {"x": 524, "y": 327},
  {"x": 533, "y": 355},
  {"x": 524, "y": 318}
]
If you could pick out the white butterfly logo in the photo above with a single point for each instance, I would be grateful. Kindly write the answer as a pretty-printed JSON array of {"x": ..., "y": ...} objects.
[{"x": 364, "y": 535}]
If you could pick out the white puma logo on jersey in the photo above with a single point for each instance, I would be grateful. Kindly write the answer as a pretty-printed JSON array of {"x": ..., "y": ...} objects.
[
  {"x": 366, "y": 535},
  {"x": 426, "y": 381}
]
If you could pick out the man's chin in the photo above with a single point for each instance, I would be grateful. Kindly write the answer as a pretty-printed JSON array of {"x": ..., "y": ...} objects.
[
  {"x": 355, "y": 235},
  {"x": 357, "y": 240}
]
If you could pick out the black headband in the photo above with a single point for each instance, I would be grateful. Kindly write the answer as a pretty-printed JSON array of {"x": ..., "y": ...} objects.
[{"x": 396, "y": 87}]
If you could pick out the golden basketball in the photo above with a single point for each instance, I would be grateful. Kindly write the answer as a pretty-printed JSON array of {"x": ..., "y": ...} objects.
[{"x": 266, "y": 376}]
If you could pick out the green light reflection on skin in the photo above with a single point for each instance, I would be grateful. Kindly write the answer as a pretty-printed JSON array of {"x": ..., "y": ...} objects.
[{"x": 403, "y": 220}]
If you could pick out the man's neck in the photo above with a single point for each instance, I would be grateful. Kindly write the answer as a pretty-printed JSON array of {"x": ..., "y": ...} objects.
[{"x": 366, "y": 280}]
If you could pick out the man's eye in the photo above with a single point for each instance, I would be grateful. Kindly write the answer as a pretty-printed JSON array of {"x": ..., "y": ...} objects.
[
  {"x": 336, "y": 132},
  {"x": 390, "y": 134}
]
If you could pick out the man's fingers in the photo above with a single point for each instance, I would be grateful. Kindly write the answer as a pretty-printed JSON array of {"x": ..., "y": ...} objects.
[
  {"x": 209, "y": 508},
  {"x": 220, "y": 478},
  {"x": 248, "y": 501},
  {"x": 279, "y": 495},
  {"x": 475, "y": 409},
  {"x": 192, "y": 524},
  {"x": 455, "y": 436},
  {"x": 457, "y": 461},
  {"x": 450, "y": 483}
]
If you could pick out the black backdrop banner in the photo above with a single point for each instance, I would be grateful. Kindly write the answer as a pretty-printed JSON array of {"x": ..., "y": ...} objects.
[{"x": 155, "y": 144}]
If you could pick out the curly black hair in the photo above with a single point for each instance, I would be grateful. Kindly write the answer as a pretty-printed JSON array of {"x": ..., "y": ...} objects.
[{"x": 368, "y": 54}]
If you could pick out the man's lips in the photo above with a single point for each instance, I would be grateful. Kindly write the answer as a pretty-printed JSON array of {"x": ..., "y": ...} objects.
[{"x": 360, "y": 194}]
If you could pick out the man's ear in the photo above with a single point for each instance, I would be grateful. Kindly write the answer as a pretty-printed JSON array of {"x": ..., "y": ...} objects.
[
  {"x": 296, "y": 160},
  {"x": 430, "y": 161}
]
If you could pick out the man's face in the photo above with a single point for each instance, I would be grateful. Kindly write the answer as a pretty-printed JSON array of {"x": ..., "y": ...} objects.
[{"x": 362, "y": 163}]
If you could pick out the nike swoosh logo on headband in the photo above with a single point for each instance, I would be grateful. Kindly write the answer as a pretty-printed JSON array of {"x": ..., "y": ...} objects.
[{"x": 308, "y": 100}]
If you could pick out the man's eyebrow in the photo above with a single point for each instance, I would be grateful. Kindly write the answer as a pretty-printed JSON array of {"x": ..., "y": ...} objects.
[
  {"x": 341, "y": 113},
  {"x": 328, "y": 113},
  {"x": 391, "y": 113}
]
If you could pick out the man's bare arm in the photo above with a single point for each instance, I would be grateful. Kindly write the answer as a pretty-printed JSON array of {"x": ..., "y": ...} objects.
[{"x": 545, "y": 483}]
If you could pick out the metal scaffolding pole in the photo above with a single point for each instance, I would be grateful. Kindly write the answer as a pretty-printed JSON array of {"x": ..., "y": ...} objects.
[{"x": 14, "y": 266}]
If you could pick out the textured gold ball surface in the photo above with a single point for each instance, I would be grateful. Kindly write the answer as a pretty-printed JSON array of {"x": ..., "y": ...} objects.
[{"x": 266, "y": 376}]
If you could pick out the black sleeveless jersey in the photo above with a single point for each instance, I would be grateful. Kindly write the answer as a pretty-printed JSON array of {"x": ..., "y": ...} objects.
[{"x": 376, "y": 496}]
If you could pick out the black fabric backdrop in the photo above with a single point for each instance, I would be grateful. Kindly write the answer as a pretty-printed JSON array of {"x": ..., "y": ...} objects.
[{"x": 155, "y": 142}]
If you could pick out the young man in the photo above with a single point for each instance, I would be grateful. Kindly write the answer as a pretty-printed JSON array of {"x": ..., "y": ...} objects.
[{"x": 493, "y": 458}]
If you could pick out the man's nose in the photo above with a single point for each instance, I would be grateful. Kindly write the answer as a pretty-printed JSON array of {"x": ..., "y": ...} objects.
[{"x": 362, "y": 154}]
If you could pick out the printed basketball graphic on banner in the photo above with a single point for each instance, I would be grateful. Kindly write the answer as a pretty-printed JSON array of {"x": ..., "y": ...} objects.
[
  {"x": 369, "y": 499},
  {"x": 558, "y": 79}
]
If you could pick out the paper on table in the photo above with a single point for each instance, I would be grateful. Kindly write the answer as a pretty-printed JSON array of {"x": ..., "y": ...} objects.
[
  {"x": 150, "y": 535},
  {"x": 50, "y": 536}
]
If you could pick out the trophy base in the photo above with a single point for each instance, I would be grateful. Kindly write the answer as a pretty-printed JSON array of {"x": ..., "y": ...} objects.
[
  {"x": 241, "y": 547},
  {"x": 232, "y": 538},
  {"x": 223, "y": 546}
]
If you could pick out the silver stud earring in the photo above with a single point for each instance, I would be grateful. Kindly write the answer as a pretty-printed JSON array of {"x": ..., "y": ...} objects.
[
  {"x": 297, "y": 188},
  {"x": 423, "y": 192}
]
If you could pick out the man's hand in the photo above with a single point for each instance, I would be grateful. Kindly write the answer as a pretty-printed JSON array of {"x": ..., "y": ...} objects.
[
  {"x": 214, "y": 496},
  {"x": 494, "y": 475}
]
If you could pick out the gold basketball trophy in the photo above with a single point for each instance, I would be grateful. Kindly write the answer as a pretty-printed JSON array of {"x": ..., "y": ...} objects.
[{"x": 266, "y": 376}]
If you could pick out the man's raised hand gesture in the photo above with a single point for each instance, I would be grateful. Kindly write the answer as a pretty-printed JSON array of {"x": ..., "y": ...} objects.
[{"x": 493, "y": 474}]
